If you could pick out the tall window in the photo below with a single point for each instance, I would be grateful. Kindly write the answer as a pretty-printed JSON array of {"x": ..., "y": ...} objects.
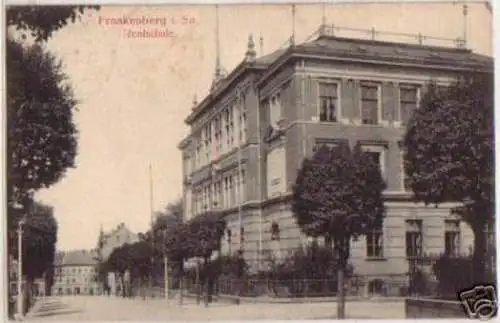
[
  {"x": 413, "y": 238},
  {"x": 275, "y": 109},
  {"x": 219, "y": 193},
  {"x": 198, "y": 153},
  {"x": 231, "y": 127},
  {"x": 216, "y": 195},
  {"x": 369, "y": 103},
  {"x": 227, "y": 120},
  {"x": 208, "y": 142},
  {"x": 225, "y": 201},
  {"x": 217, "y": 136},
  {"x": 377, "y": 155},
  {"x": 408, "y": 101},
  {"x": 328, "y": 100},
  {"x": 452, "y": 238},
  {"x": 230, "y": 191},
  {"x": 243, "y": 123},
  {"x": 375, "y": 243},
  {"x": 242, "y": 186}
]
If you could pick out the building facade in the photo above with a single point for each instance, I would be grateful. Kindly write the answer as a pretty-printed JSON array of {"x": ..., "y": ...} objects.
[
  {"x": 75, "y": 273},
  {"x": 250, "y": 134}
]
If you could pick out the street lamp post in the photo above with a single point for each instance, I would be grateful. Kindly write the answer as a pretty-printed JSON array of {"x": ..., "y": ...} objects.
[{"x": 20, "y": 299}]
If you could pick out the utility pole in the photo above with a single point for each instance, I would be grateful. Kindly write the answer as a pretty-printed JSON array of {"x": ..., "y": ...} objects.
[
  {"x": 152, "y": 226},
  {"x": 292, "y": 38}
]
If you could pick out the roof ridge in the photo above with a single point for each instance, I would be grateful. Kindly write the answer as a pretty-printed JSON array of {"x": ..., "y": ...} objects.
[{"x": 391, "y": 43}]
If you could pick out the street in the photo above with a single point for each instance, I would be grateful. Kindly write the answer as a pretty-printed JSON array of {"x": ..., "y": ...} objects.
[{"x": 103, "y": 308}]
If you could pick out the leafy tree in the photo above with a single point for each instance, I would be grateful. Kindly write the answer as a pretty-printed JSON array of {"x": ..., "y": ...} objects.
[
  {"x": 119, "y": 261},
  {"x": 41, "y": 22},
  {"x": 41, "y": 134},
  {"x": 206, "y": 231},
  {"x": 38, "y": 243},
  {"x": 449, "y": 154},
  {"x": 139, "y": 260},
  {"x": 204, "y": 234},
  {"x": 338, "y": 195}
]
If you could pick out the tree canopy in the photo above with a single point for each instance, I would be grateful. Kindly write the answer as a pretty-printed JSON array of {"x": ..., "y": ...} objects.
[
  {"x": 41, "y": 134},
  {"x": 338, "y": 195},
  {"x": 41, "y": 22},
  {"x": 449, "y": 152}
]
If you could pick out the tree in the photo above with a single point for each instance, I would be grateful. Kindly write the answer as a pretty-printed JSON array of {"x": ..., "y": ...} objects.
[
  {"x": 139, "y": 260},
  {"x": 204, "y": 235},
  {"x": 39, "y": 243},
  {"x": 41, "y": 22},
  {"x": 41, "y": 135},
  {"x": 338, "y": 195},
  {"x": 449, "y": 154},
  {"x": 119, "y": 261}
]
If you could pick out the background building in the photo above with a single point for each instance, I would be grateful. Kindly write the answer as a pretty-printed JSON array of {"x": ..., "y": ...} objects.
[
  {"x": 75, "y": 273},
  {"x": 115, "y": 238},
  {"x": 250, "y": 134}
]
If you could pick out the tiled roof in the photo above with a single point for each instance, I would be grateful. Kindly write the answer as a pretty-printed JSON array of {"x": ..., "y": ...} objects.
[
  {"x": 381, "y": 50},
  {"x": 75, "y": 258},
  {"x": 270, "y": 58}
]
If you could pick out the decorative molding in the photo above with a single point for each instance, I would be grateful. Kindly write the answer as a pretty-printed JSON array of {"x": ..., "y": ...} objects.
[
  {"x": 397, "y": 124},
  {"x": 357, "y": 76},
  {"x": 379, "y": 143}
]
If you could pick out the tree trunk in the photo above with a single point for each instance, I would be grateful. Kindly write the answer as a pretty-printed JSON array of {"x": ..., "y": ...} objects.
[
  {"x": 197, "y": 282},
  {"x": 122, "y": 282},
  {"x": 181, "y": 281},
  {"x": 206, "y": 281},
  {"x": 479, "y": 260},
  {"x": 27, "y": 295},
  {"x": 341, "y": 294},
  {"x": 341, "y": 246}
]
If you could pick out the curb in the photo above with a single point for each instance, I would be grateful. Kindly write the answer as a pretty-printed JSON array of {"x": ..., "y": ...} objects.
[{"x": 283, "y": 300}]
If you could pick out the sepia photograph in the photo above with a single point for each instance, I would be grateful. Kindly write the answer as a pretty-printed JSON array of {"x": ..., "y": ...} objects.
[{"x": 286, "y": 161}]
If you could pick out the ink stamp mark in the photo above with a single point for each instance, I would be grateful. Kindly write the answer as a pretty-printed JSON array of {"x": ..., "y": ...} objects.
[{"x": 480, "y": 302}]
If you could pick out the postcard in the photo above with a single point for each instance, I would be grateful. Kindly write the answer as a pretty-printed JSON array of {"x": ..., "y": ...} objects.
[{"x": 250, "y": 161}]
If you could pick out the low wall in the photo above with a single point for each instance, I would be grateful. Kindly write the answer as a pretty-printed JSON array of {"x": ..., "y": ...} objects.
[{"x": 433, "y": 308}]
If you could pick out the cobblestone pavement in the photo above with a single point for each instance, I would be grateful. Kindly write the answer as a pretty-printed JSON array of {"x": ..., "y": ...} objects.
[{"x": 104, "y": 308}]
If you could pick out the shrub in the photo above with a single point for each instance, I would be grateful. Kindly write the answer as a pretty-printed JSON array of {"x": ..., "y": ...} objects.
[
  {"x": 453, "y": 275},
  {"x": 308, "y": 271}
]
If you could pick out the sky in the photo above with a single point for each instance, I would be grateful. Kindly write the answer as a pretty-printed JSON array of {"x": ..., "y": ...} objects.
[{"x": 134, "y": 93}]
